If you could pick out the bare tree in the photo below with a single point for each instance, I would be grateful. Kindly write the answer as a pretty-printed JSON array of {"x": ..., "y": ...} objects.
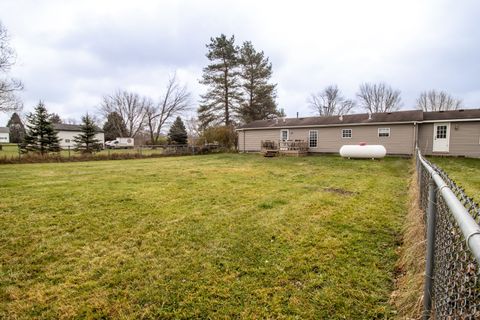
[
  {"x": 330, "y": 102},
  {"x": 379, "y": 97},
  {"x": 130, "y": 106},
  {"x": 174, "y": 101},
  {"x": 8, "y": 86},
  {"x": 437, "y": 101},
  {"x": 193, "y": 129}
]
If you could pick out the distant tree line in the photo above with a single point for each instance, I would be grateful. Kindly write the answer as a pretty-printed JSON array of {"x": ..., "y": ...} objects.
[
  {"x": 238, "y": 90},
  {"x": 377, "y": 98}
]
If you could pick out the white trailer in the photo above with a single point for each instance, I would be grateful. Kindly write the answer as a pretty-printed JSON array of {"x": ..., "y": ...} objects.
[{"x": 120, "y": 143}]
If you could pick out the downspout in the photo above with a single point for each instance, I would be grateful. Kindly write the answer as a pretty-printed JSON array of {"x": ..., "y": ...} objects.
[
  {"x": 415, "y": 137},
  {"x": 243, "y": 141}
]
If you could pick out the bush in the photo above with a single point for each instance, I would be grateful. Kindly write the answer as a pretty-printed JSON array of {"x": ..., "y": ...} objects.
[{"x": 224, "y": 136}]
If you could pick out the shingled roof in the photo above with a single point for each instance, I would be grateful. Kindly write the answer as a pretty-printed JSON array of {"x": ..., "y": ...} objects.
[
  {"x": 364, "y": 118},
  {"x": 71, "y": 127},
  {"x": 4, "y": 130}
]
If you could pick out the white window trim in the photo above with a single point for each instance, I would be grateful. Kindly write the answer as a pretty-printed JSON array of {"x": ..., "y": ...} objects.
[
  {"x": 351, "y": 133},
  {"x": 309, "y": 138},
  {"x": 281, "y": 134},
  {"x": 388, "y": 130}
]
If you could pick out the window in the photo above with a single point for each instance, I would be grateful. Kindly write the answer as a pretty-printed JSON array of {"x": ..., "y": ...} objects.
[
  {"x": 67, "y": 140},
  {"x": 346, "y": 133},
  {"x": 383, "y": 132},
  {"x": 284, "y": 135},
  {"x": 441, "y": 132},
  {"x": 313, "y": 138}
]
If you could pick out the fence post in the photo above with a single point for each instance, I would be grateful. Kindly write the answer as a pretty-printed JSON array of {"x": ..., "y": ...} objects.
[{"x": 431, "y": 216}]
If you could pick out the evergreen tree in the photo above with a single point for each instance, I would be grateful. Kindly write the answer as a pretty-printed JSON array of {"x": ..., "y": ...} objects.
[
  {"x": 40, "y": 136},
  {"x": 178, "y": 133},
  {"x": 256, "y": 71},
  {"x": 114, "y": 127},
  {"x": 17, "y": 129},
  {"x": 220, "y": 104},
  {"x": 86, "y": 141}
]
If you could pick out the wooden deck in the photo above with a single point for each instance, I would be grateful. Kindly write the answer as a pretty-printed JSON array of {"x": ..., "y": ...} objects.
[{"x": 295, "y": 148}]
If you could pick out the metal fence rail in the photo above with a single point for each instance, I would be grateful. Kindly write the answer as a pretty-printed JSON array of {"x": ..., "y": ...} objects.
[{"x": 452, "y": 275}]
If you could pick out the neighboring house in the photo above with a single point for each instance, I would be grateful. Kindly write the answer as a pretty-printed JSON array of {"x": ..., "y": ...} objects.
[
  {"x": 4, "y": 135},
  {"x": 436, "y": 133},
  {"x": 66, "y": 133}
]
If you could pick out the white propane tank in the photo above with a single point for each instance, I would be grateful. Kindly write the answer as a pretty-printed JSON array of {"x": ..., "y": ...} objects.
[{"x": 363, "y": 150}]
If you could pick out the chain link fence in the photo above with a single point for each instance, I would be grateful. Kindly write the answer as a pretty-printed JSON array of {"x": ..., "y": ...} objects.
[{"x": 455, "y": 276}]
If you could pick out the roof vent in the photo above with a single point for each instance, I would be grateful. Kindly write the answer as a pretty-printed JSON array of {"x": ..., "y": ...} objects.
[
  {"x": 461, "y": 110},
  {"x": 389, "y": 113},
  {"x": 441, "y": 111}
]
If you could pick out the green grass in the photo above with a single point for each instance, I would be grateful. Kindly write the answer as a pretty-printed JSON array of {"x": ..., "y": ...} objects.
[
  {"x": 215, "y": 236},
  {"x": 464, "y": 171},
  {"x": 11, "y": 151}
]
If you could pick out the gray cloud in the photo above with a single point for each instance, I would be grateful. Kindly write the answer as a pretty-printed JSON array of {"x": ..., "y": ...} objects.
[{"x": 70, "y": 54}]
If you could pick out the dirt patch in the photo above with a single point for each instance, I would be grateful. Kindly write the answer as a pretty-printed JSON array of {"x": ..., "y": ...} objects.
[{"x": 340, "y": 191}]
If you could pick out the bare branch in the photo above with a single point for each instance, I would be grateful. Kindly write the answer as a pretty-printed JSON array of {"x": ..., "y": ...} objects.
[
  {"x": 131, "y": 107},
  {"x": 379, "y": 97},
  {"x": 437, "y": 101},
  {"x": 330, "y": 102}
]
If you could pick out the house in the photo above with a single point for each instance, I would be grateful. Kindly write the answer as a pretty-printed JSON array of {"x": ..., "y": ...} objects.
[
  {"x": 4, "y": 135},
  {"x": 436, "y": 133},
  {"x": 66, "y": 133}
]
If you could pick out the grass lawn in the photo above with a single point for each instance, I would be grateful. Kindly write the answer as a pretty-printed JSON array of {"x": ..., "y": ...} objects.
[
  {"x": 215, "y": 236},
  {"x": 464, "y": 171},
  {"x": 11, "y": 151}
]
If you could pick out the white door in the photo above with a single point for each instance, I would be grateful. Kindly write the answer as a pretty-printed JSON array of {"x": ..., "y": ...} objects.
[{"x": 441, "y": 137}]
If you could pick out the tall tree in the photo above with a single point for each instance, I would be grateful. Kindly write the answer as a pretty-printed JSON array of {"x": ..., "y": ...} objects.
[
  {"x": 40, "y": 137},
  {"x": 219, "y": 105},
  {"x": 259, "y": 95},
  {"x": 437, "y": 101},
  {"x": 330, "y": 102},
  {"x": 17, "y": 129},
  {"x": 178, "y": 133},
  {"x": 114, "y": 127},
  {"x": 379, "y": 97},
  {"x": 9, "y": 101},
  {"x": 174, "y": 101},
  {"x": 55, "y": 118},
  {"x": 131, "y": 107},
  {"x": 86, "y": 142}
]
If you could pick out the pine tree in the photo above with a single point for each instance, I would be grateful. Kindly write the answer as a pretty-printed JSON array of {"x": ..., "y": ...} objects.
[
  {"x": 178, "y": 133},
  {"x": 256, "y": 71},
  {"x": 40, "y": 136},
  {"x": 86, "y": 142},
  {"x": 220, "y": 104},
  {"x": 114, "y": 127},
  {"x": 17, "y": 129}
]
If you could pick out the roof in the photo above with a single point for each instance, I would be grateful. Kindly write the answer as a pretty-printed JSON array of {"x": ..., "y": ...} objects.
[
  {"x": 408, "y": 116},
  {"x": 4, "y": 130},
  {"x": 71, "y": 127},
  {"x": 452, "y": 114}
]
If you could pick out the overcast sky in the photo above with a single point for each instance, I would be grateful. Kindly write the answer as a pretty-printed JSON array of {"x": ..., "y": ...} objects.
[{"x": 70, "y": 53}]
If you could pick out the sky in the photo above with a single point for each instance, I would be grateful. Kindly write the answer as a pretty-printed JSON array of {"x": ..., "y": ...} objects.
[{"x": 71, "y": 53}]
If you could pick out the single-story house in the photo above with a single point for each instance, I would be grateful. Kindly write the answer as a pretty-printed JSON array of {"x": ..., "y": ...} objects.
[
  {"x": 4, "y": 135},
  {"x": 454, "y": 133},
  {"x": 66, "y": 132}
]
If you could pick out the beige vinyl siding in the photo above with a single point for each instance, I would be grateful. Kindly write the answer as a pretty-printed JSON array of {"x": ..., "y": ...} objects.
[
  {"x": 464, "y": 139},
  {"x": 253, "y": 139},
  {"x": 401, "y": 140}
]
